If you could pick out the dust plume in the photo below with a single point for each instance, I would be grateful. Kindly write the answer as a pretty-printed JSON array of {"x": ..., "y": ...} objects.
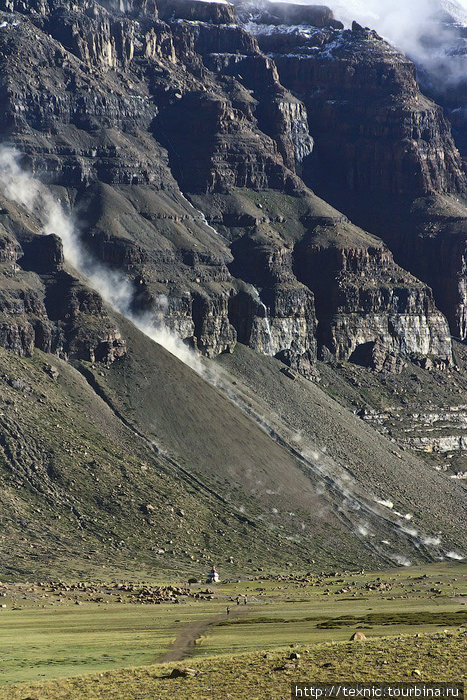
[{"x": 20, "y": 186}]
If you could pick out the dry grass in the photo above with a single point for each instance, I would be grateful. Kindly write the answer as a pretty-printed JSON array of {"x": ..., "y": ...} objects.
[{"x": 438, "y": 657}]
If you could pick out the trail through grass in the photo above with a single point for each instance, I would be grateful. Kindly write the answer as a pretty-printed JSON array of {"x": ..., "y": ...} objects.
[{"x": 45, "y": 635}]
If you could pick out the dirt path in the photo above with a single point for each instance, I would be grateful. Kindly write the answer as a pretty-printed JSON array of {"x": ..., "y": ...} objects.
[{"x": 186, "y": 638}]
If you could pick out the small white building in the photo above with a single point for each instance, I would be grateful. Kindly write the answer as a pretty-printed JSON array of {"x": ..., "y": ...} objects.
[{"x": 213, "y": 576}]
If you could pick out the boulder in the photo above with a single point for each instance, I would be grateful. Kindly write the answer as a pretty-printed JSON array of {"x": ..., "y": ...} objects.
[
  {"x": 184, "y": 673},
  {"x": 357, "y": 637}
]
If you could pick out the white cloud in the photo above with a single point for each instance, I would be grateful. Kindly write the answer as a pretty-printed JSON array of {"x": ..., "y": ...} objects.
[{"x": 414, "y": 27}]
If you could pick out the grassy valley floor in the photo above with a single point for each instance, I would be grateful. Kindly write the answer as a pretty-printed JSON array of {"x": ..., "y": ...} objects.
[
  {"x": 258, "y": 676},
  {"x": 108, "y": 639}
]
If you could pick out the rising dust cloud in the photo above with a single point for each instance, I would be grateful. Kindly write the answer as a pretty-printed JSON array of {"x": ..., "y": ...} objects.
[{"x": 20, "y": 186}]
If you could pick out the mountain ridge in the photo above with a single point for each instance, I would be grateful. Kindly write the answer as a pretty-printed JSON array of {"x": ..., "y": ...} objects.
[{"x": 185, "y": 148}]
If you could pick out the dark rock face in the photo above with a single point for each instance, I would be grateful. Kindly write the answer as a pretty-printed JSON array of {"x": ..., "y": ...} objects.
[
  {"x": 9, "y": 249},
  {"x": 374, "y": 126},
  {"x": 23, "y": 319},
  {"x": 454, "y": 102},
  {"x": 276, "y": 13},
  {"x": 43, "y": 306},
  {"x": 43, "y": 254},
  {"x": 375, "y": 132},
  {"x": 282, "y": 321},
  {"x": 237, "y": 158},
  {"x": 369, "y": 309},
  {"x": 96, "y": 40},
  {"x": 45, "y": 7},
  {"x": 445, "y": 79},
  {"x": 438, "y": 254},
  {"x": 83, "y": 325},
  {"x": 197, "y": 10},
  {"x": 135, "y": 109}
]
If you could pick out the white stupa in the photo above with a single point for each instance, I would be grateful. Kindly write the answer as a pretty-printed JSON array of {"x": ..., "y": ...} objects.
[{"x": 213, "y": 576}]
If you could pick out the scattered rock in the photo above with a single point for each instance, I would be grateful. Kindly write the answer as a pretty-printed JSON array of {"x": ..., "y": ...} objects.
[
  {"x": 184, "y": 673},
  {"x": 287, "y": 666},
  {"x": 52, "y": 371},
  {"x": 288, "y": 373},
  {"x": 148, "y": 508}
]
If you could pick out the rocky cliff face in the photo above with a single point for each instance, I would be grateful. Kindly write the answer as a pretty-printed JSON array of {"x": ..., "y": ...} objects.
[
  {"x": 138, "y": 110},
  {"x": 375, "y": 132},
  {"x": 374, "y": 127},
  {"x": 44, "y": 306},
  {"x": 369, "y": 310}
]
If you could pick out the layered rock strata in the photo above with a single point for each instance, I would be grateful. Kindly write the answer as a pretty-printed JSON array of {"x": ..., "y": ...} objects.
[
  {"x": 376, "y": 132},
  {"x": 44, "y": 306},
  {"x": 369, "y": 310},
  {"x": 137, "y": 108}
]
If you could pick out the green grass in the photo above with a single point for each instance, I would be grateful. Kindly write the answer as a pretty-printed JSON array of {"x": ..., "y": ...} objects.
[
  {"x": 424, "y": 617},
  {"x": 44, "y": 635},
  {"x": 255, "y": 676},
  {"x": 457, "y": 617},
  {"x": 55, "y": 643},
  {"x": 314, "y": 621}
]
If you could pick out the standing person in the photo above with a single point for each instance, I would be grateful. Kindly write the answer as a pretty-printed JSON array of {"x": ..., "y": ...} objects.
[{"x": 228, "y": 610}]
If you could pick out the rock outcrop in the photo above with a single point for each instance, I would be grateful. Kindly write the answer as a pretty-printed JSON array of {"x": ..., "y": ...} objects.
[
  {"x": 376, "y": 131},
  {"x": 369, "y": 310},
  {"x": 197, "y": 10},
  {"x": 281, "y": 13}
]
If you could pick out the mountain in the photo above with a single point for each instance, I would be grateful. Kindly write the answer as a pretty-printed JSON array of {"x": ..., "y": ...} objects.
[
  {"x": 276, "y": 191},
  {"x": 457, "y": 10},
  {"x": 433, "y": 33}
]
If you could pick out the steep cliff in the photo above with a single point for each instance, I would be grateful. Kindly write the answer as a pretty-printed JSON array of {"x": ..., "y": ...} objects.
[
  {"x": 44, "y": 305},
  {"x": 369, "y": 310},
  {"x": 137, "y": 108},
  {"x": 375, "y": 132}
]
